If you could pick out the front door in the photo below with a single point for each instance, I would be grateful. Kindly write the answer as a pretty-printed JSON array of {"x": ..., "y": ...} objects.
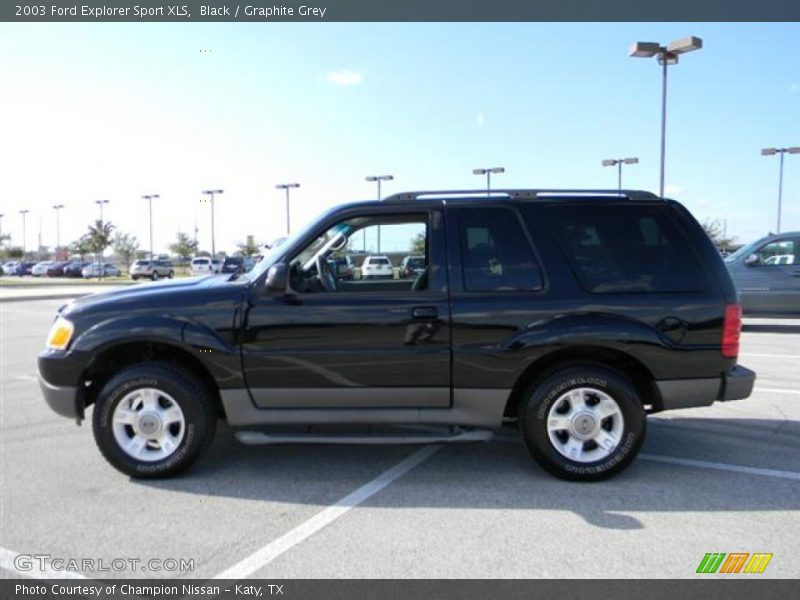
[
  {"x": 337, "y": 340},
  {"x": 770, "y": 286}
]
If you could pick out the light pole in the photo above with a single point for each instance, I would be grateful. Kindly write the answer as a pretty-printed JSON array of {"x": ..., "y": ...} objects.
[
  {"x": 287, "y": 187},
  {"x": 1, "y": 228},
  {"x": 781, "y": 151},
  {"x": 667, "y": 55},
  {"x": 58, "y": 208},
  {"x": 378, "y": 179},
  {"x": 488, "y": 173},
  {"x": 213, "y": 244},
  {"x": 100, "y": 204},
  {"x": 618, "y": 162},
  {"x": 149, "y": 198},
  {"x": 24, "y": 241}
]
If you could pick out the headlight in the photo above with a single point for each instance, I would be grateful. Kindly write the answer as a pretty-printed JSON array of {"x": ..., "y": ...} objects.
[{"x": 60, "y": 334}]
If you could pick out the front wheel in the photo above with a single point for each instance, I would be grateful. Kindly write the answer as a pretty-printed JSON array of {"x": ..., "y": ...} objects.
[
  {"x": 171, "y": 274},
  {"x": 153, "y": 420},
  {"x": 583, "y": 423},
  {"x": 154, "y": 276}
]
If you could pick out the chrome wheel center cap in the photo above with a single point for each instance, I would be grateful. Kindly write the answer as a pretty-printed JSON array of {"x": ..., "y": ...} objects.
[
  {"x": 583, "y": 426},
  {"x": 148, "y": 424}
]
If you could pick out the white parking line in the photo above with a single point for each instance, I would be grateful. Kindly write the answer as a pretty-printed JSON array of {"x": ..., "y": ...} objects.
[
  {"x": 775, "y": 390},
  {"x": 7, "y": 562},
  {"x": 274, "y": 549},
  {"x": 27, "y": 377},
  {"x": 759, "y": 355},
  {"x": 686, "y": 462}
]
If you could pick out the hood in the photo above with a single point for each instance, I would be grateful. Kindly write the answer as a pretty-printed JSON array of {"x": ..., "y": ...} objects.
[{"x": 165, "y": 293}]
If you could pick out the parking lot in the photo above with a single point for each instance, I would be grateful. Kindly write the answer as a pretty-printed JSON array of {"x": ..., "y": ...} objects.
[{"x": 720, "y": 479}]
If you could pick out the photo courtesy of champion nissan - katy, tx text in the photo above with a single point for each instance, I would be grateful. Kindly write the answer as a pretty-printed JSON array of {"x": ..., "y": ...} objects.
[{"x": 568, "y": 314}]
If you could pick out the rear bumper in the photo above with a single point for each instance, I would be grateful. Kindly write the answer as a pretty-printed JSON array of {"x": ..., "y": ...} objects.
[{"x": 735, "y": 384}]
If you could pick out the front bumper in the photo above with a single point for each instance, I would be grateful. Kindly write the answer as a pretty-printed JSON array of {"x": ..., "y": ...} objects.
[
  {"x": 64, "y": 400},
  {"x": 60, "y": 380},
  {"x": 735, "y": 384}
]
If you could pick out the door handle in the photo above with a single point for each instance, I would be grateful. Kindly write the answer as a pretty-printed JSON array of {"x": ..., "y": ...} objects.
[{"x": 424, "y": 312}]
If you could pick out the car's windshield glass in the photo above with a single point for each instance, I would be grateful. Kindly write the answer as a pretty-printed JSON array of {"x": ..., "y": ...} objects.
[{"x": 744, "y": 250}]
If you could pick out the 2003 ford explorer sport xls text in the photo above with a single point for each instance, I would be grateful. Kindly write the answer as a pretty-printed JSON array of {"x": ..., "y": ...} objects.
[{"x": 568, "y": 314}]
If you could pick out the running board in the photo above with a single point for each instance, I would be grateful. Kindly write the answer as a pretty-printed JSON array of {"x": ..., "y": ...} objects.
[{"x": 252, "y": 438}]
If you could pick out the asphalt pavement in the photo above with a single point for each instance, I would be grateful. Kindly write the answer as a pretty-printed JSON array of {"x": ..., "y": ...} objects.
[{"x": 724, "y": 478}]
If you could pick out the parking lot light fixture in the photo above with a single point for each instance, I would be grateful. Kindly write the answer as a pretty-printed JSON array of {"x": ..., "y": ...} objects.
[
  {"x": 618, "y": 162},
  {"x": 24, "y": 241},
  {"x": 781, "y": 151},
  {"x": 100, "y": 203},
  {"x": 58, "y": 208},
  {"x": 149, "y": 198},
  {"x": 378, "y": 179},
  {"x": 211, "y": 193},
  {"x": 667, "y": 55},
  {"x": 488, "y": 172},
  {"x": 287, "y": 187}
]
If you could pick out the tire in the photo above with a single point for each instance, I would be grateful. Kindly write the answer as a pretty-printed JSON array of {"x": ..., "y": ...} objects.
[
  {"x": 163, "y": 414},
  {"x": 171, "y": 274},
  {"x": 583, "y": 423},
  {"x": 135, "y": 277},
  {"x": 154, "y": 276}
]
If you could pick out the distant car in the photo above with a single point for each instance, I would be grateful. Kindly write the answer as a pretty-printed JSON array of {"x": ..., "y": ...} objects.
[
  {"x": 100, "y": 270},
  {"x": 21, "y": 268},
  {"x": 202, "y": 265},
  {"x": 74, "y": 269},
  {"x": 9, "y": 267},
  {"x": 152, "y": 269},
  {"x": 56, "y": 269},
  {"x": 343, "y": 267},
  {"x": 766, "y": 274},
  {"x": 233, "y": 264},
  {"x": 412, "y": 266},
  {"x": 40, "y": 268},
  {"x": 377, "y": 267}
]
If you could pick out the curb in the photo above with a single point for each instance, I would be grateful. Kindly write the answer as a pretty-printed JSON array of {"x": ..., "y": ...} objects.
[{"x": 41, "y": 297}]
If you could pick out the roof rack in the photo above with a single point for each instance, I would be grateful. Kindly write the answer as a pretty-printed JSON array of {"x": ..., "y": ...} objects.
[{"x": 519, "y": 194}]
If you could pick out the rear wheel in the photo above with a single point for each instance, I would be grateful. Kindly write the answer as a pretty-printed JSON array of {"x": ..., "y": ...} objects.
[
  {"x": 153, "y": 420},
  {"x": 171, "y": 274},
  {"x": 583, "y": 423}
]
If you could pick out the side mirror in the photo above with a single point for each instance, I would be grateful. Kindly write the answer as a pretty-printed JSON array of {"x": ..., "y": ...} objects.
[
  {"x": 277, "y": 278},
  {"x": 752, "y": 260}
]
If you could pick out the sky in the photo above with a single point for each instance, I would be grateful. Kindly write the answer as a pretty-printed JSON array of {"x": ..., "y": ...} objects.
[{"x": 116, "y": 111}]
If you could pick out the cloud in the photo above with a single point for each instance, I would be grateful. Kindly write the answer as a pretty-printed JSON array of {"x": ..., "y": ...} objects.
[
  {"x": 479, "y": 119},
  {"x": 345, "y": 77},
  {"x": 795, "y": 88},
  {"x": 671, "y": 188}
]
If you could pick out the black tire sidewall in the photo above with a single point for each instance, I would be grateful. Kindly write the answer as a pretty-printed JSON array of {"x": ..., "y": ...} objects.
[
  {"x": 543, "y": 395},
  {"x": 193, "y": 402}
]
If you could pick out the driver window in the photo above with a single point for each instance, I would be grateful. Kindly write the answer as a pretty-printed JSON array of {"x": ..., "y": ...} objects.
[
  {"x": 778, "y": 253},
  {"x": 365, "y": 254}
]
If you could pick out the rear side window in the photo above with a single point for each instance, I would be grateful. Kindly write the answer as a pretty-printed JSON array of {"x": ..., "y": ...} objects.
[
  {"x": 496, "y": 255},
  {"x": 626, "y": 249}
]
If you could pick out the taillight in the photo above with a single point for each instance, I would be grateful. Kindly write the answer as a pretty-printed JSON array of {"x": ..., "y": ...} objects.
[{"x": 731, "y": 328}]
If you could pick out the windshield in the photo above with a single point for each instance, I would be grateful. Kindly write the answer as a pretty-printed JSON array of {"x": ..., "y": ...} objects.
[{"x": 745, "y": 250}]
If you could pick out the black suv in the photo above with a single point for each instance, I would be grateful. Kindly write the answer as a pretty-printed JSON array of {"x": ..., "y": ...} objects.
[{"x": 568, "y": 314}]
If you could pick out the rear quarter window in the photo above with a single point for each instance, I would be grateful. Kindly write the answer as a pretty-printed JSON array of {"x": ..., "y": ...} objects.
[{"x": 626, "y": 249}]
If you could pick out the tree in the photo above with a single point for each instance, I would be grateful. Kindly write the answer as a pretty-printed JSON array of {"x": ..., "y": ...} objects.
[
  {"x": 99, "y": 236},
  {"x": 418, "y": 243},
  {"x": 80, "y": 246},
  {"x": 184, "y": 247},
  {"x": 716, "y": 231},
  {"x": 14, "y": 252},
  {"x": 249, "y": 247},
  {"x": 4, "y": 237},
  {"x": 125, "y": 245}
]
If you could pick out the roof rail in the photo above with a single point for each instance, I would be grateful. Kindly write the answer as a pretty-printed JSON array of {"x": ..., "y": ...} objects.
[{"x": 519, "y": 194}]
